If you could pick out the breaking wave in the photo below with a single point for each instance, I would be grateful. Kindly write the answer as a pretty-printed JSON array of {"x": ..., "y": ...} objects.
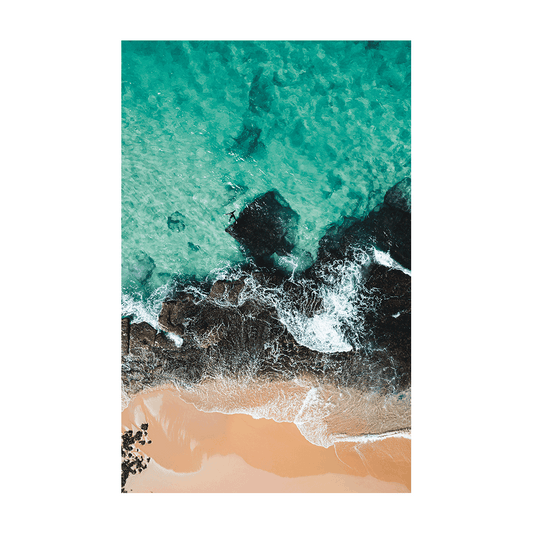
[{"x": 324, "y": 413}]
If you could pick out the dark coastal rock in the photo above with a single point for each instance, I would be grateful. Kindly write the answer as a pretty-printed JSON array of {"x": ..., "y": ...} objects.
[
  {"x": 249, "y": 339},
  {"x": 164, "y": 343},
  {"x": 142, "y": 338},
  {"x": 389, "y": 322},
  {"x": 266, "y": 226},
  {"x": 303, "y": 298},
  {"x": 399, "y": 196},
  {"x": 388, "y": 227},
  {"x": 134, "y": 461},
  {"x": 125, "y": 336},
  {"x": 173, "y": 313},
  {"x": 175, "y": 221},
  {"x": 154, "y": 360},
  {"x": 242, "y": 329},
  {"x": 226, "y": 290},
  {"x": 228, "y": 328},
  {"x": 333, "y": 244}
]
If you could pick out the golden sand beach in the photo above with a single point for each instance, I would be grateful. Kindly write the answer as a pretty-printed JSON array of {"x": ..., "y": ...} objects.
[{"x": 195, "y": 451}]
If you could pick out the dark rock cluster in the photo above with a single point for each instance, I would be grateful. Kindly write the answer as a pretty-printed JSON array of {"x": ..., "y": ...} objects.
[
  {"x": 388, "y": 227},
  {"x": 390, "y": 321},
  {"x": 266, "y": 226},
  {"x": 222, "y": 336},
  {"x": 133, "y": 461},
  {"x": 228, "y": 329}
]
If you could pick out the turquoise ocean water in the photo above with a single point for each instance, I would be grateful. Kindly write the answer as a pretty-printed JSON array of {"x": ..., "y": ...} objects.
[{"x": 209, "y": 126}]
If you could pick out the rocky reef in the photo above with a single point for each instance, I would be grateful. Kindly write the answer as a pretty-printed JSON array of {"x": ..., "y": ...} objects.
[
  {"x": 234, "y": 328},
  {"x": 133, "y": 460},
  {"x": 266, "y": 226},
  {"x": 388, "y": 227}
]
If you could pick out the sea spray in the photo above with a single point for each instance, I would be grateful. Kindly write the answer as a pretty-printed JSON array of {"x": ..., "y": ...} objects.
[
  {"x": 343, "y": 300},
  {"x": 144, "y": 309},
  {"x": 384, "y": 258},
  {"x": 324, "y": 413},
  {"x": 340, "y": 290}
]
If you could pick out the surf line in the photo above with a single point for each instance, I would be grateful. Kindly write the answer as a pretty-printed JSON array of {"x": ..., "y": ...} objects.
[{"x": 373, "y": 437}]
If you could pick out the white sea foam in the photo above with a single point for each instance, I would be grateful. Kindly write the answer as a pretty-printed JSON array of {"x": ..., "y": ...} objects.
[
  {"x": 139, "y": 310},
  {"x": 289, "y": 263},
  {"x": 343, "y": 300},
  {"x": 324, "y": 414},
  {"x": 176, "y": 339},
  {"x": 384, "y": 258},
  {"x": 148, "y": 310},
  {"x": 363, "y": 439},
  {"x": 321, "y": 333}
]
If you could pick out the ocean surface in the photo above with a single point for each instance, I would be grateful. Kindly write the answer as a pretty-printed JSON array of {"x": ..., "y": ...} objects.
[{"x": 207, "y": 127}]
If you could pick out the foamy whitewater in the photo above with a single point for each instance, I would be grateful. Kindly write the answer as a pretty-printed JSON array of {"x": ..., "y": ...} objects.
[
  {"x": 210, "y": 126},
  {"x": 324, "y": 413}
]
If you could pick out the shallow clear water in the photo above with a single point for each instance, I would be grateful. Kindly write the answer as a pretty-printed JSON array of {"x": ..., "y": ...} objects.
[{"x": 209, "y": 126}]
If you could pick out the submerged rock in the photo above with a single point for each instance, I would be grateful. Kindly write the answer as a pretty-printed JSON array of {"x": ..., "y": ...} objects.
[
  {"x": 372, "y": 45},
  {"x": 260, "y": 97},
  {"x": 237, "y": 188},
  {"x": 266, "y": 226},
  {"x": 193, "y": 247},
  {"x": 175, "y": 221},
  {"x": 141, "y": 268},
  {"x": 247, "y": 143}
]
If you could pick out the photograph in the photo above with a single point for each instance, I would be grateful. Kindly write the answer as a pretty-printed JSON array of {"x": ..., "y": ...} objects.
[{"x": 266, "y": 266}]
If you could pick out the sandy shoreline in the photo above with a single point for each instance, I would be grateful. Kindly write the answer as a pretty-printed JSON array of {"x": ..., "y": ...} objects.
[{"x": 194, "y": 451}]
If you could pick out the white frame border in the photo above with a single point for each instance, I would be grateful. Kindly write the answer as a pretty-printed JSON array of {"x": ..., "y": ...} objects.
[{"x": 113, "y": 31}]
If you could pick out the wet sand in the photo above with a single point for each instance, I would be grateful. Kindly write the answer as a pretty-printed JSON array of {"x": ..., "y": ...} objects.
[{"x": 194, "y": 451}]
